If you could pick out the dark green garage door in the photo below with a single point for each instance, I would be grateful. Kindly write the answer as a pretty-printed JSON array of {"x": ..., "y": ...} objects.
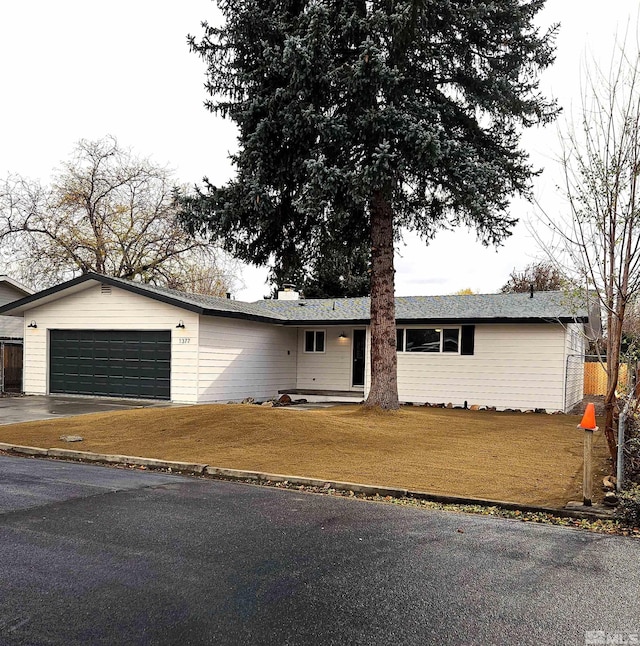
[{"x": 110, "y": 363}]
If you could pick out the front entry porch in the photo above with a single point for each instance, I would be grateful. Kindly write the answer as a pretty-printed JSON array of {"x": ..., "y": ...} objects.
[{"x": 319, "y": 395}]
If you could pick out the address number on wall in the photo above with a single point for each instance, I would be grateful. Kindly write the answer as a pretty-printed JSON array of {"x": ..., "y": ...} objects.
[{"x": 184, "y": 339}]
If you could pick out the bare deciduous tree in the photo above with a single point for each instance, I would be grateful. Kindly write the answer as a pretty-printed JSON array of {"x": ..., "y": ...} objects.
[
  {"x": 541, "y": 276},
  {"x": 598, "y": 241},
  {"x": 110, "y": 212}
]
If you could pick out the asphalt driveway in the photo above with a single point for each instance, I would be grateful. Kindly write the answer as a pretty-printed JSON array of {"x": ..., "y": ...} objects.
[
  {"x": 92, "y": 555},
  {"x": 31, "y": 408}
]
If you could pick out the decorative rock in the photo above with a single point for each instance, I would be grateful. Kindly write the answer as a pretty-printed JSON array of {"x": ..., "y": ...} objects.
[
  {"x": 284, "y": 400},
  {"x": 492, "y": 409},
  {"x": 609, "y": 483},
  {"x": 449, "y": 405},
  {"x": 248, "y": 400},
  {"x": 269, "y": 403},
  {"x": 71, "y": 438},
  {"x": 540, "y": 411},
  {"x": 474, "y": 407},
  {"x": 610, "y": 499},
  {"x": 299, "y": 401}
]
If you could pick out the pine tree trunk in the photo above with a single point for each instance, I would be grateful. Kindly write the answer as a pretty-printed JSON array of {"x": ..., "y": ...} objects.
[{"x": 384, "y": 378}]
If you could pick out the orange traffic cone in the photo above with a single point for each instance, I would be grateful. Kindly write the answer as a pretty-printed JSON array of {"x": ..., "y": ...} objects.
[{"x": 589, "y": 418}]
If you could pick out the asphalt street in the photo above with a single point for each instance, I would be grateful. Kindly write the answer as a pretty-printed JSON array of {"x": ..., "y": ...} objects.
[{"x": 95, "y": 555}]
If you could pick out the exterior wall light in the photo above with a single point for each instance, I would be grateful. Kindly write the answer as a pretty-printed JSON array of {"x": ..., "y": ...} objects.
[
  {"x": 343, "y": 336},
  {"x": 32, "y": 324},
  {"x": 180, "y": 324}
]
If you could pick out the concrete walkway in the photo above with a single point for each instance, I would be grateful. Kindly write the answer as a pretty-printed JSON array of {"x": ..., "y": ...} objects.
[{"x": 29, "y": 408}]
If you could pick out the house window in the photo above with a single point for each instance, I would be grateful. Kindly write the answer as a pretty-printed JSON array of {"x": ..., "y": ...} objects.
[
  {"x": 422, "y": 340},
  {"x": 314, "y": 341},
  {"x": 451, "y": 340},
  {"x": 428, "y": 340}
]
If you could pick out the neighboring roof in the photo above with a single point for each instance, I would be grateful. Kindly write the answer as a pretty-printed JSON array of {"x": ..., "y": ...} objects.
[
  {"x": 508, "y": 308},
  {"x": 15, "y": 284}
]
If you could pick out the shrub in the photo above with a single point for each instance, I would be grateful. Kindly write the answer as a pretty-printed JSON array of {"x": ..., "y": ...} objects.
[{"x": 628, "y": 510}]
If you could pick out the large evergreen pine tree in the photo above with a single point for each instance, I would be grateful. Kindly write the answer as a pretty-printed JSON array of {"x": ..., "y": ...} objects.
[
  {"x": 360, "y": 117},
  {"x": 340, "y": 268}
]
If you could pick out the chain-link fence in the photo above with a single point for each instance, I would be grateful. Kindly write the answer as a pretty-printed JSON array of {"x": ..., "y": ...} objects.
[
  {"x": 574, "y": 381},
  {"x": 628, "y": 457}
]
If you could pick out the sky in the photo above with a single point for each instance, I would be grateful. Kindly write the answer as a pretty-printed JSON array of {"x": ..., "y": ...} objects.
[{"x": 73, "y": 69}]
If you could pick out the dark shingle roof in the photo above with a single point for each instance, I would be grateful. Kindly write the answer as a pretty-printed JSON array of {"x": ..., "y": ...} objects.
[
  {"x": 544, "y": 306},
  {"x": 472, "y": 307},
  {"x": 203, "y": 302}
]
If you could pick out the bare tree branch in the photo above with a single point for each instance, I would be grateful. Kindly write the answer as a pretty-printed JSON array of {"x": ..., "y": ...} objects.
[
  {"x": 597, "y": 242},
  {"x": 107, "y": 211}
]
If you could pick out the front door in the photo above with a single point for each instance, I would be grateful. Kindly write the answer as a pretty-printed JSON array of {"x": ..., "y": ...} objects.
[{"x": 359, "y": 350}]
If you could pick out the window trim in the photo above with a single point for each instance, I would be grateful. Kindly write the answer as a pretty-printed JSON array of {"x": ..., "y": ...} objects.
[{"x": 315, "y": 341}]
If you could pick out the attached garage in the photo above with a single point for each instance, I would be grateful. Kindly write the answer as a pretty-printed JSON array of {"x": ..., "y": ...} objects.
[{"x": 111, "y": 363}]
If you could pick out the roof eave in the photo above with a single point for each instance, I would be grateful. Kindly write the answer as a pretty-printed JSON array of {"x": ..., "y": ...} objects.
[
  {"x": 45, "y": 293},
  {"x": 114, "y": 282},
  {"x": 16, "y": 284},
  {"x": 494, "y": 319},
  {"x": 245, "y": 316},
  {"x": 440, "y": 321},
  {"x": 97, "y": 278}
]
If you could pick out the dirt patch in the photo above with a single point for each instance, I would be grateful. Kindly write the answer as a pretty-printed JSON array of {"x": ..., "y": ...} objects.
[{"x": 527, "y": 458}]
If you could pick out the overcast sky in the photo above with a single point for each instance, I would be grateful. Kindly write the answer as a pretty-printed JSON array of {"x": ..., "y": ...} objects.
[{"x": 75, "y": 69}]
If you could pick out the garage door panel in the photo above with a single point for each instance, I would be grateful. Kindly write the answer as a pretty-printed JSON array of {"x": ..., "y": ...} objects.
[{"x": 111, "y": 363}]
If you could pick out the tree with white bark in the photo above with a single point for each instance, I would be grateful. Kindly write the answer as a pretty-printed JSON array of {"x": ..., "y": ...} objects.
[{"x": 597, "y": 241}]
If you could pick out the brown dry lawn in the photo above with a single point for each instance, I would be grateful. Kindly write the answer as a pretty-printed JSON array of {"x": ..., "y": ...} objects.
[{"x": 526, "y": 458}]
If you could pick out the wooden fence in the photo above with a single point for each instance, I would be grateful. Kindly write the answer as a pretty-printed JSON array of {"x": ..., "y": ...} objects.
[
  {"x": 595, "y": 378},
  {"x": 11, "y": 371}
]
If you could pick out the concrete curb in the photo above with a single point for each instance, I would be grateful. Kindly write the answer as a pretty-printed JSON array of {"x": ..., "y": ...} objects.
[
  {"x": 263, "y": 478},
  {"x": 25, "y": 450},
  {"x": 394, "y": 492},
  {"x": 88, "y": 456}
]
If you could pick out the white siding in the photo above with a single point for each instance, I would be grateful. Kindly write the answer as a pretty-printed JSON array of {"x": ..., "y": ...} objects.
[
  {"x": 328, "y": 370},
  {"x": 240, "y": 359},
  {"x": 90, "y": 309},
  {"x": 10, "y": 326},
  {"x": 8, "y": 293},
  {"x": 513, "y": 366}
]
